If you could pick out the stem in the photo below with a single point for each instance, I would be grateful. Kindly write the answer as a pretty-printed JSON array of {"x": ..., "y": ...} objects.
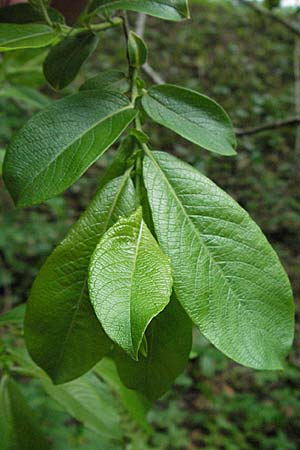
[
  {"x": 97, "y": 27},
  {"x": 45, "y": 13}
]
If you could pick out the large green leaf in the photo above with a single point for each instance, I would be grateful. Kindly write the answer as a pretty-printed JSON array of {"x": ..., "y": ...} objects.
[
  {"x": 58, "y": 144},
  {"x": 226, "y": 275},
  {"x": 62, "y": 333},
  {"x": 135, "y": 403},
  {"x": 89, "y": 401},
  {"x": 15, "y": 36},
  {"x": 164, "y": 9},
  {"x": 169, "y": 339},
  {"x": 191, "y": 115},
  {"x": 19, "y": 427},
  {"x": 130, "y": 281},
  {"x": 65, "y": 59}
]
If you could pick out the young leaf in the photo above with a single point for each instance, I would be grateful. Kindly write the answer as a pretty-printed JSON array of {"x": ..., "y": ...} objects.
[
  {"x": 191, "y": 115},
  {"x": 65, "y": 59},
  {"x": 164, "y": 9},
  {"x": 136, "y": 404},
  {"x": 112, "y": 80},
  {"x": 169, "y": 339},
  {"x": 89, "y": 401},
  {"x": 129, "y": 281},
  {"x": 57, "y": 145},
  {"x": 19, "y": 427},
  {"x": 62, "y": 333},
  {"x": 15, "y": 36},
  {"x": 226, "y": 275},
  {"x": 137, "y": 50}
]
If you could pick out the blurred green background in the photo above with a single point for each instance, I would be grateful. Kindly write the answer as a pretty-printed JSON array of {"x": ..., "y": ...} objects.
[{"x": 245, "y": 62}]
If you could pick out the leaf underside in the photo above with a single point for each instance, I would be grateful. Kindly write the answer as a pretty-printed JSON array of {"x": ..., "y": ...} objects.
[{"x": 226, "y": 275}]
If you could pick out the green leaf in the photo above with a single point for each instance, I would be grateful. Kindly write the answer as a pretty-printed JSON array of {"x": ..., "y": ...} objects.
[
  {"x": 66, "y": 58},
  {"x": 112, "y": 80},
  {"x": 129, "y": 281},
  {"x": 29, "y": 96},
  {"x": 137, "y": 50},
  {"x": 22, "y": 13},
  {"x": 89, "y": 401},
  {"x": 191, "y": 115},
  {"x": 135, "y": 403},
  {"x": 169, "y": 343},
  {"x": 19, "y": 427},
  {"x": 164, "y": 9},
  {"x": 15, "y": 316},
  {"x": 62, "y": 333},
  {"x": 56, "y": 146},
  {"x": 15, "y": 36},
  {"x": 226, "y": 275}
]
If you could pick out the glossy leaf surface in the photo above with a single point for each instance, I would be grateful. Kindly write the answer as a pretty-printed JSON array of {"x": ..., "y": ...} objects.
[
  {"x": 57, "y": 145},
  {"x": 169, "y": 338},
  {"x": 65, "y": 59},
  {"x": 191, "y": 115},
  {"x": 62, "y": 332},
  {"x": 164, "y": 9},
  {"x": 226, "y": 275},
  {"x": 15, "y": 36},
  {"x": 129, "y": 282}
]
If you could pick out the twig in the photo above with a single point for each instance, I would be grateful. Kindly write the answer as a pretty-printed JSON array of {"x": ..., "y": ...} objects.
[
  {"x": 290, "y": 121},
  {"x": 271, "y": 15},
  {"x": 155, "y": 77},
  {"x": 140, "y": 24}
]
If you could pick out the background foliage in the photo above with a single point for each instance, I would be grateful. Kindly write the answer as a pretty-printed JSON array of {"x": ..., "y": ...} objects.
[{"x": 244, "y": 62}]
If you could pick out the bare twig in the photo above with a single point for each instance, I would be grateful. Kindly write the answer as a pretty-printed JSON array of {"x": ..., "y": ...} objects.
[
  {"x": 289, "y": 121},
  {"x": 140, "y": 24},
  {"x": 271, "y": 15}
]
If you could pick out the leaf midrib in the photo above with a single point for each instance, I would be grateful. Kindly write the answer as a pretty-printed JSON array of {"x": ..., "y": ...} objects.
[
  {"x": 133, "y": 274},
  {"x": 194, "y": 227},
  {"x": 3, "y": 44},
  {"x": 57, "y": 155},
  {"x": 82, "y": 292}
]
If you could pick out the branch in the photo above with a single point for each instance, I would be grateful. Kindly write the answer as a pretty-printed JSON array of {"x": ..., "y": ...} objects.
[
  {"x": 140, "y": 24},
  {"x": 290, "y": 121},
  {"x": 271, "y": 15}
]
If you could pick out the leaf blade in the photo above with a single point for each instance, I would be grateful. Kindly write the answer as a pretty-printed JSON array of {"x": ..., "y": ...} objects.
[
  {"x": 58, "y": 144},
  {"x": 62, "y": 333},
  {"x": 222, "y": 266},
  {"x": 164, "y": 9},
  {"x": 65, "y": 59},
  {"x": 170, "y": 339},
  {"x": 119, "y": 281},
  {"x": 16, "y": 36},
  {"x": 193, "y": 116}
]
